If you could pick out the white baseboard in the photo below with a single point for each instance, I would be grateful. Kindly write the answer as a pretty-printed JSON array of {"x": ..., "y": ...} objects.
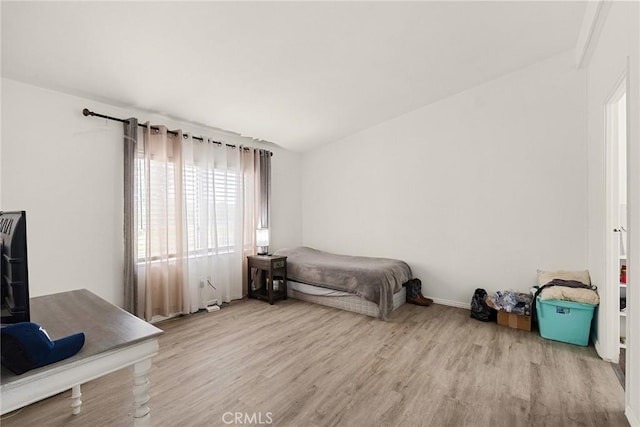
[
  {"x": 451, "y": 303},
  {"x": 602, "y": 353},
  {"x": 633, "y": 419},
  {"x": 596, "y": 344}
]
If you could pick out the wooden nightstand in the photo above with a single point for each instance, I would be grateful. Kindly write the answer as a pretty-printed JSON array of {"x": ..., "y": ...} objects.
[{"x": 271, "y": 267}]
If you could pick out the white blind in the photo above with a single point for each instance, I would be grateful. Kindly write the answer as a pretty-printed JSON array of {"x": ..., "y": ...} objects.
[{"x": 211, "y": 203}]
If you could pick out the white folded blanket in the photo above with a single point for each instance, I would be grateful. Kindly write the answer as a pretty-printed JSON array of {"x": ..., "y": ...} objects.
[{"x": 570, "y": 294}]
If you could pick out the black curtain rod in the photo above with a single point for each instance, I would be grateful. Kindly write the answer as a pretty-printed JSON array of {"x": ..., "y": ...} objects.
[{"x": 86, "y": 112}]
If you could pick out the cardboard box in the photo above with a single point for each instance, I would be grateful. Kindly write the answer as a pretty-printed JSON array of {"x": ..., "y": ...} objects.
[
  {"x": 512, "y": 320},
  {"x": 516, "y": 321}
]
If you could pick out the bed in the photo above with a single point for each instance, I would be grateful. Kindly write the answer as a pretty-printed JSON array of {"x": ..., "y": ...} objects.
[{"x": 366, "y": 285}]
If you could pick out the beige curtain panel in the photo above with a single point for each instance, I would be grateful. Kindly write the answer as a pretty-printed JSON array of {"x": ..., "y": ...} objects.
[{"x": 191, "y": 211}]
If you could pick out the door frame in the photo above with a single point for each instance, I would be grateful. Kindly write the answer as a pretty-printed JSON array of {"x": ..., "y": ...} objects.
[{"x": 611, "y": 292}]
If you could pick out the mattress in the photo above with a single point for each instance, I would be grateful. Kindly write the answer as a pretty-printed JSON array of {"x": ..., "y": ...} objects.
[
  {"x": 338, "y": 299},
  {"x": 316, "y": 290},
  {"x": 374, "y": 279}
]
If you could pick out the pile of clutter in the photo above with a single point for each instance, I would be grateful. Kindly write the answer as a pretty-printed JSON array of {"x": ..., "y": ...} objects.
[{"x": 512, "y": 302}]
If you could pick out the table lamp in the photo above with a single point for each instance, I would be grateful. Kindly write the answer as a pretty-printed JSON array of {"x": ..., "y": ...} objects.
[{"x": 262, "y": 240}]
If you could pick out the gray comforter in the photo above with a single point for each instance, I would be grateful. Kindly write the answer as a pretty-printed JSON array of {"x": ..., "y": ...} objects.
[{"x": 374, "y": 279}]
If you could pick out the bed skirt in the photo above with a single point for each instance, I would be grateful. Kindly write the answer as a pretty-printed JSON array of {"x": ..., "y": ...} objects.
[{"x": 346, "y": 302}]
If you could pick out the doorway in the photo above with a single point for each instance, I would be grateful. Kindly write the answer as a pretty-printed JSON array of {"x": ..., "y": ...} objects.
[{"x": 616, "y": 286}]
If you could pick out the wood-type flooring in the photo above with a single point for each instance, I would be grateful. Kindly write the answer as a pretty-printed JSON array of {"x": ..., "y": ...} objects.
[{"x": 300, "y": 364}]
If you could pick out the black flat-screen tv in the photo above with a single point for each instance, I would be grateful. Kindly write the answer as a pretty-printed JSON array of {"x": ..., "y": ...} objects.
[{"x": 13, "y": 264}]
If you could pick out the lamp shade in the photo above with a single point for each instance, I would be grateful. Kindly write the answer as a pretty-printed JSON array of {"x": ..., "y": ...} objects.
[{"x": 262, "y": 237}]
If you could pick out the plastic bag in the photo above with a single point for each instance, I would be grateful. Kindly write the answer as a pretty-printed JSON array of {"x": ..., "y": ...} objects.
[
  {"x": 479, "y": 308},
  {"x": 513, "y": 302}
]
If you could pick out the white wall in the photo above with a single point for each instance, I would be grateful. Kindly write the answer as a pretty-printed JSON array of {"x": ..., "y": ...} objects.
[
  {"x": 65, "y": 170},
  {"x": 617, "y": 40},
  {"x": 477, "y": 190},
  {"x": 607, "y": 65},
  {"x": 632, "y": 389}
]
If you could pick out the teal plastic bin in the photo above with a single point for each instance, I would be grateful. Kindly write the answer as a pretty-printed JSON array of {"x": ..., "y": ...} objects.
[{"x": 564, "y": 321}]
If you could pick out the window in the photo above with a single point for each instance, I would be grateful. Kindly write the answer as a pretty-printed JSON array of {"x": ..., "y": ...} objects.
[
  {"x": 210, "y": 208},
  {"x": 211, "y": 201}
]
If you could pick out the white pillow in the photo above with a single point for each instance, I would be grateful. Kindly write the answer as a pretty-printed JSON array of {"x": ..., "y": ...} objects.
[{"x": 581, "y": 276}]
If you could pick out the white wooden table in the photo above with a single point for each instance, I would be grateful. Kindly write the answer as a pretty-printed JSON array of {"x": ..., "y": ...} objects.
[{"x": 114, "y": 339}]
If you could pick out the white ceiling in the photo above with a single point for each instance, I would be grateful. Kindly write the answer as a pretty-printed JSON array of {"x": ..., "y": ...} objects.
[{"x": 295, "y": 73}]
